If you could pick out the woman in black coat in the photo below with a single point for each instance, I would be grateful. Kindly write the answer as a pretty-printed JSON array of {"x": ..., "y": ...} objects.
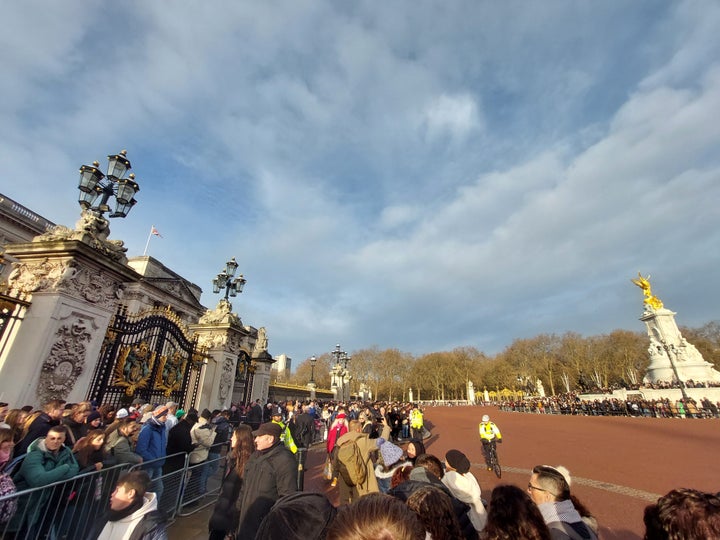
[{"x": 226, "y": 516}]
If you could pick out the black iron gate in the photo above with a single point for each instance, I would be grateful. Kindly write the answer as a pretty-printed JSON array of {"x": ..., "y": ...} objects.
[
  {"x": 12, "y": 312},
  {"x": 148, "y": 356}
]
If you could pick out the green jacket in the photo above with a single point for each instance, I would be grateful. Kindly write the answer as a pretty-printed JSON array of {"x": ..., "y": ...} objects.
[{"x": 40, "y": 467}]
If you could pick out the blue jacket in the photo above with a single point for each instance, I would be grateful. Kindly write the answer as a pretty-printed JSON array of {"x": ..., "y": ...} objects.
[{"x": 151, "y": 443}]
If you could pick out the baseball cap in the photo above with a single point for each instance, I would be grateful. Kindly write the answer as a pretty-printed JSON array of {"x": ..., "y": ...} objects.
[{"x": 269, "y": 428}]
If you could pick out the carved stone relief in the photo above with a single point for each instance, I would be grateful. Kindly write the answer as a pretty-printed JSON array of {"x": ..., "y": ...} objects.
[
  {"x": 68, "y": 277},
  {"x": 226, "y": 381},
  {"x": 66, "y": 360},
  {"x": 222, "y": 314}
]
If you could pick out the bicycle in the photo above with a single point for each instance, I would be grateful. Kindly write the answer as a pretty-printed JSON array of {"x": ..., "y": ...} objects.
[{"x": 493, "y": 459}]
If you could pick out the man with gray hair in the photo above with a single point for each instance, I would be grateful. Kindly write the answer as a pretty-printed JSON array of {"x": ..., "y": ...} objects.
[{"x": 172, "y": 420}]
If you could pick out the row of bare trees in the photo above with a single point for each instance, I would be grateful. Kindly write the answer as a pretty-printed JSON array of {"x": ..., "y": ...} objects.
[{"x": 563, "y": 363}]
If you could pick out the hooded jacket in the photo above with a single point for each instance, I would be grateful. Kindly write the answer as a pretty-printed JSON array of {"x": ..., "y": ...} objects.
[
  {"x": 202, "y": 435},
  {"x": 466, "y": 488},
  {"x": 120, "y": 447},
  {"x": 123, "y": 529}
]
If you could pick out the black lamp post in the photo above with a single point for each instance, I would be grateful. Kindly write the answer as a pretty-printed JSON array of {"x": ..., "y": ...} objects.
[
  {"x": 226, "y": 280},
  {"x": 94, "y": 184},
  {"x": 313, "y": 361}
]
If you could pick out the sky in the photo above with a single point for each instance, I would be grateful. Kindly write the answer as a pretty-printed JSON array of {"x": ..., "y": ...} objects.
[{"x": 420, "y": 175}]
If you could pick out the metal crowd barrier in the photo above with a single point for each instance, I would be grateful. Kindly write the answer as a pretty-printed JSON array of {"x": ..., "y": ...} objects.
[{"x": 68, "y": 510}]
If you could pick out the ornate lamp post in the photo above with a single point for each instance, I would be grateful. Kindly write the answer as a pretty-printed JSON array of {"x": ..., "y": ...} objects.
[
  {"x": 226, "y": 280},
  {"x": 94, "y": 184},
  {"x": 337, "y": 374}
]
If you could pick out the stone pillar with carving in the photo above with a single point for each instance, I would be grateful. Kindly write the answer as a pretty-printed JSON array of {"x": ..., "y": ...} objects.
[
  {"x": 74, "y": 279},
  {"x": 222, "y": 335},
  {"x": 263, "y": 364}
]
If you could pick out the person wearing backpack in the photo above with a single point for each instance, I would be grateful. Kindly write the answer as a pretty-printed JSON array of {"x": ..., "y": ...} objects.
[{"x": 354, "y": 460}]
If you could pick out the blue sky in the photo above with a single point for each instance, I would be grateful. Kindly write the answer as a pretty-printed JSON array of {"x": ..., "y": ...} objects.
[{"x": 420, "y": 175}]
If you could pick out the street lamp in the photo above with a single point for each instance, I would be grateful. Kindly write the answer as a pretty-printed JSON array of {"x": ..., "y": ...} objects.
[
  {"x": 94, "y": 184},
  {"x": 313, "y": 361},
  {"x": 672, "y": 348},
  {"x": 226, "y": 280}
]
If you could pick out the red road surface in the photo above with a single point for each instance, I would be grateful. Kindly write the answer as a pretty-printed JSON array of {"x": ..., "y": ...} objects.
[{"x": 619, "y": 465}]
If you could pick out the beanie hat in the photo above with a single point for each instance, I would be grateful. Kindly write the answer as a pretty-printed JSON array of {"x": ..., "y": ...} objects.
[
  {"x": 390, "y": 453},
  {"x": 458, "y": 461},
  {"x": 93, "y": 416}
]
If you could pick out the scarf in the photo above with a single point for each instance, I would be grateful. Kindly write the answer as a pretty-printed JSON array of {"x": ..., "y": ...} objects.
[{"x": 559, "y": 511}]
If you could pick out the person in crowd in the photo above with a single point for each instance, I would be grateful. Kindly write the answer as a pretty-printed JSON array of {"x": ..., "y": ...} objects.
[
  {"x": 303, "y": 428},
  {"x": 151, "y": 446},
  {"x": 549, "y": 488},
  {"x": 75, "y": 421},
  {"x": 133, "y": 512},
  {"x": 390, "y": 459},
  {"x": 107, "y": 413},
  {"x": 298, "y": 516},
  {"x": 39, "y": 423},
  {"x": 255, "y": 416},
  {"x": 286, "y": 434},
  {"x": 414, "y": 449},
  {"x": 120, "y": 443},
  {"x": 338, "y": 428},
  {"x": 179, "y": 443},
  {"x": 226, "y": 516},
  {"x": 512, "y": 514},
  {"x": 93, "y": 421},
  {"x": 223, "y": 431},
  {"x": 15, "y": 420},
  {"x": 367, "y": 448},
  {"x": 270, "y": 473},
  {"x": 463, "y": 485},
  {"x": 89, "y": 451},
  {"x": 119, "y": 416},
  {"x": 7, "y": 445},
  {"x": 489, "y": 436},
  {"x": 376, "y": 516},
  {"x": 172, "y": 419},
  {"x": 202, "y": 435},
  {"x": 48, "y": 460},
  {"x": 417, "y": 423},
  {"x": 434, "y": 508},
  {"x": 687, "y": 514}
]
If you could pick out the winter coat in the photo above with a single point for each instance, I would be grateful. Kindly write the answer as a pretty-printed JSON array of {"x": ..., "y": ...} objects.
[
  {"x": 202, "y": 435},
  {"x": 466, "y": 488},
  {"x": 120, "y": 447},
  {"x": 179, "y": 441},
  {"x": 303, "y": 427},
  {"x": 269, "y": 475},
  {"x": 226, "y": 516},
  {"x": 147, "y": 517},
  {"x": 41, "y": 468},
  {"x": 366, "y": 446},
  {"x": 151, "y": 443}
]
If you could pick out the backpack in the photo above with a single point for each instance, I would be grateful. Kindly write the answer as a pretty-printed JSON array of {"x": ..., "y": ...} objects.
[{"x": 351, "y": 465}]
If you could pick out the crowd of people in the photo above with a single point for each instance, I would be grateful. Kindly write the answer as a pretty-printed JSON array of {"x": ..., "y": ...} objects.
[
  {"x": 385, "y": 490},
  {"x": 570, "y": 403}
]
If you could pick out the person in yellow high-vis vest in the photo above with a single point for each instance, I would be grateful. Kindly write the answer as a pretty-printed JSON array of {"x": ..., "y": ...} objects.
[
  {"x": 489, "y": 435},
  {"x": 416, "y": 423},
  {"x": 286, "y": 437}
]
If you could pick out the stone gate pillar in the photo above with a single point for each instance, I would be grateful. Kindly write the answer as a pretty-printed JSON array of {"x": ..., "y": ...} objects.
[
  {"x": 223, "y": 337},
  {"x": 74, "y": 280}
]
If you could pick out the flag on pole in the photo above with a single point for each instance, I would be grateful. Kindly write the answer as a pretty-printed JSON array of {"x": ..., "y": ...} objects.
[{"x": 153, "y": 232}]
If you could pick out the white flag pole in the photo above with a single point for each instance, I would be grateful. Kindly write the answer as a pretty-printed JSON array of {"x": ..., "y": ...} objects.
[{"x": 147, "y": 244}]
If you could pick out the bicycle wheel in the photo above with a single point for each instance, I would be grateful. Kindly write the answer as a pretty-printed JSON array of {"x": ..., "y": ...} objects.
[{"x": 496, "y": 466}]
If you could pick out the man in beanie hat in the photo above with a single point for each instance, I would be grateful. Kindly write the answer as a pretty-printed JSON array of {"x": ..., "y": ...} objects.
[
  {"x": 270, "y": 473},
  {"x": 151, "y": 446}
]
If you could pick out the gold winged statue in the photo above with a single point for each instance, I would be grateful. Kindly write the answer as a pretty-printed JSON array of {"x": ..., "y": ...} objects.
[{"x": 644, "y": 283}]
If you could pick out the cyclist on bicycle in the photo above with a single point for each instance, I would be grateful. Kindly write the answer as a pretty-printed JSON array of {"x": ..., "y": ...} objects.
[{"x": 489, "y": 435}]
